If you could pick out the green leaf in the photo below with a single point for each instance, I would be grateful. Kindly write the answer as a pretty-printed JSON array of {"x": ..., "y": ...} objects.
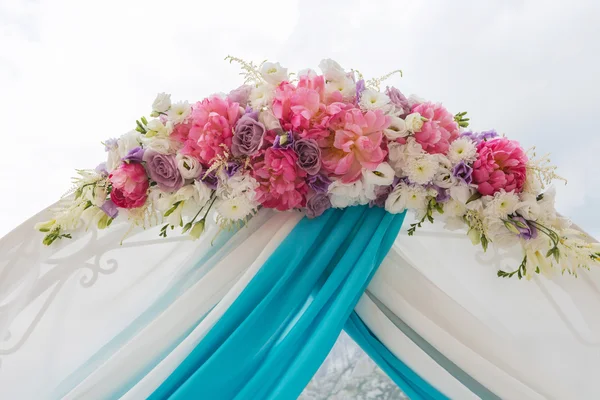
[
  {"x": 474, "y": 197},
  {"x": 172, "y": 209},
  {"x": 484, "y": 242}
]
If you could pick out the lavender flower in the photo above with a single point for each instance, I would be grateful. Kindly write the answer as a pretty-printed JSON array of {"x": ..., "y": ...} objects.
[
  {"x": 231, "y": 168},
  {"x": 360, "y": 87},
  {"x": 319, "y": 183},
  {"x": 398, "y": 99},
  {"x": 309, "y": 155},
  {"x": 210, "y": 180},
  {"x": 317, "y": 204},
  {"x": 463, "y": 172},
  {"x": 134, "y": 155},
  {"x": 248, "y": 136},
  {"x": 163, "y": 170},
  {"x": 381, "y": 193},
  {"x": 110, "y": 208},
  {"x": 101, "y": 169},
  {"x": 522, "y": 227},
  {"x": 283, "y": 141},
  {"x": 240, "y": 95},
  {"x": 110, "y": 144},
  {"x": 481, "y": 136}
]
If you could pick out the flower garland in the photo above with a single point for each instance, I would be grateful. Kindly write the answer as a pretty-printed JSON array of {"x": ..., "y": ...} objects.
[{"x": 323, "y": 141}]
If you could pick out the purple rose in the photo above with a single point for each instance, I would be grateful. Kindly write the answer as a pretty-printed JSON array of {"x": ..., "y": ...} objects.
[
  {"x": 463, "y": 172},
  {"x": 163, "y": 170},
  {"x": 398, "y": 99},
  {"x": 240, "y": 95},
  {"x": 210, "y": 180},
  {"x": 283, "y": 141},
  {"x": 110, "y": 208},
  {"x": 134, "y": 155},
  {"x": 309, "y": 155},
  {"x": 247, "y": 137},
  {"x": 319, "y": 183},
  {"x": 521, "y": 226},
  {"x": 317, "y": 205}
]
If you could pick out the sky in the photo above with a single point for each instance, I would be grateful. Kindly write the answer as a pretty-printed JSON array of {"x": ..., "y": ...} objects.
[{"x": 74, "y": 73}]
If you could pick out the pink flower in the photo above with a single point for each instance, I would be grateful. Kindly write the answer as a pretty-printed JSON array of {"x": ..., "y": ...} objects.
[
  {"x": 129, "y": 185},
  {"x": 501, "y": 164},
  {"x": 282, "y": 184},
  {"x": 213, "y": 120},
  {"x": 356, "y": 144},
  {"x": 305, "y": 109},
  {"x": 438, "y": 131},
  {"x": 181, "y": 131}
]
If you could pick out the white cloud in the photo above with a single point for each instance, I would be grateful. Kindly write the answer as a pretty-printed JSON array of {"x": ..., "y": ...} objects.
[{"x": 74, "y": 73}]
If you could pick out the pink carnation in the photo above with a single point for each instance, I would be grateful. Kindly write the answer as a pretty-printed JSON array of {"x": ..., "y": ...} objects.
[
  {"x": 501, "y": 164},
  {"x": 129, "y": 185},
  {"x": 305, "y": 109},
  {"x": 282, "y": 184},
  {"x": 357, "y": 144},
  {"x": 213, "y": 120},
  {"x": 438, "y": 131}
]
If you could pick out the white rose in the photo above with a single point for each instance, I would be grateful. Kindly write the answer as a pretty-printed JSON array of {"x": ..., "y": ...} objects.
[
  {"x": 261, "y": 96},
  {"x": 383, "y": 175},
  {"x": 189, "y": 167},
  {"x": 273, "y": 73},
  {"x": 397, "y": 129},
  {"x": 414, "y": 122},
  {"x": 332, "y": 71},
  {"x": 161, "y": 104}
]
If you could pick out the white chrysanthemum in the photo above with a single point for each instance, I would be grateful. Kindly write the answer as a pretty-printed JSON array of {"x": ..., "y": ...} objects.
[
  {"x": 462, "y": 149},
  {"x": 350, "y": 194},
  {"x": 422, "y": 169},
  {"x": 397, "y": 128},
  {"x": 237, "y": 185},
  {"x": 332, "y": 71},
  {"x": 344, "y": 85},
  {"x": 383, "y": 175},
  {"x": 235, "y": 208},
  {"x": 273, "y": 73},
  {"x": 261, "y": 96},
  {"x": 373, "y": 100},
  {"x": 404, "y": 197},
  {"x": 501, "y": 204},
  {"x": 179, "y": 112},
  {"x": 189, "y": 167},
  {"x": 161, "y": 104},
  {"x": 401, "y": 154}
]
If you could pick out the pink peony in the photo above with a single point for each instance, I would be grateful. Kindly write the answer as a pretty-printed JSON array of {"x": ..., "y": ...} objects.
[
  {"x": 129, "y": 185},
  {"x": 305, "y": 109},
  {"x": 501, "y": 164},
  {"x": 213, "y": 120},
  {"x": 356, "y": 144},
  {"x": 438, "y": 131},
  {"x": 282, "y": 184},
  {"x": 181, "y": 131}
]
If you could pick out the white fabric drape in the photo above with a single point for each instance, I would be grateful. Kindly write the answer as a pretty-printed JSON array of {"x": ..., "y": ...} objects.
[{"x": 90, "y": 317}]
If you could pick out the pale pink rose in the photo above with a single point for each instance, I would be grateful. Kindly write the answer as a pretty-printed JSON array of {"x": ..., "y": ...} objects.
[
  {"x": 438, "y": 131},
  {"x": 356, "y": 144},
  {"x": 501, "y": 164}
]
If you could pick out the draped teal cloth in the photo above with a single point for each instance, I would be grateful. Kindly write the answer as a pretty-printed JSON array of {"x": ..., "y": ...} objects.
[{"x": 277, "y": 333}]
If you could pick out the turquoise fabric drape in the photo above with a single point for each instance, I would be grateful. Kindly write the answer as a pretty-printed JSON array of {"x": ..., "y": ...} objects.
[
  {"x": 412, "y": 384},
  {"x": 273, "y": 338}
]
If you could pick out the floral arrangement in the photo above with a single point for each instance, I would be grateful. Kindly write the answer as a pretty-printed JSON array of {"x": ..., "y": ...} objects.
[{"x": 321, "y": 141}]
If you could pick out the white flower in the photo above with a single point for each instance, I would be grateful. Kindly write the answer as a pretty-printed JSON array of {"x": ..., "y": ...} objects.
[
  {"x": 422, "y": 169},
  {"x": 501, "y": 204},
  {"x": 401, "y": 154},
  {"x": 261, "y": 96},
  {"x": 235, "y": 208},
  {"x": 413, "y": 99},
  {"x": 332, "y": 71},
  {"x": 273, "y": 73},
  {"x": 269, "y": 120},
  {"x": 309, "y": 73},
  {"x": 237, "y": 185},
  {"x": 161, "y": 104},
  {"x": 528, "y": 207},
  {"x": 383, "y": 175},
  {"x": 97, "y": 194},
  {"x": 532, "y": 183},
  {"x": 497, "y": 232},
  {"x": 397, "y": 128},
  {"x": 125, "y": 143},
  {"x": 344, "y": 85},
  {"x": 535, "y": 260},
  {"x": 374, "y": 100},
  {"x": 453, "y": 214},
  {"x": 155, "y": 127},
  {"x": 414, "y": 122},
  {"x": 189, "y": 167},
  {"x": 161, "y": 144},
  {"x": 179, "y": 112},
  {"x": 404, "y": 197},
  {"x": 462, "y": 149},
  {"x": 444, "y": 177},
  {"x": 350, "y": 194}
]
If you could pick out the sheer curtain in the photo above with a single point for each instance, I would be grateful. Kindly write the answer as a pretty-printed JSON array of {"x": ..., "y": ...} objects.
[{"x": 88, "y": 317}]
